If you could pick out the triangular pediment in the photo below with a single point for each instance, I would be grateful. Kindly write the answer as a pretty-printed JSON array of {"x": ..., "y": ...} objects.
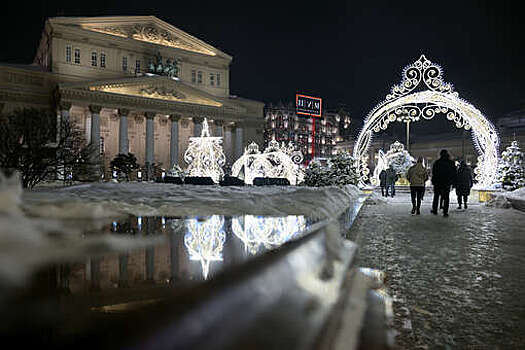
[
  {"x": 148, "y": 29},
  {"x": 155, "y": 87}
]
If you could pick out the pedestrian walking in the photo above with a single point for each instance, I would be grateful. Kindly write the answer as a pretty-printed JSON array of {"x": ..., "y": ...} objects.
[
  {"x": 391, "y": 178},
  {"x": 417, "y": 176},
  {"x": 443, "y": 176},
  {"x": 463, "y": 183},
  {"x": 382, "y": 181}
]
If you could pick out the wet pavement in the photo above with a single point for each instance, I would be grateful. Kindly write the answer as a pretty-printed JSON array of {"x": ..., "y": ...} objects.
[{"x": 457, "y": 282}]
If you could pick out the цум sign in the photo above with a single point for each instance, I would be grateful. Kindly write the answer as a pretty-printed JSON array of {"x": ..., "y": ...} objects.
[{"x": 307, "y": 105}]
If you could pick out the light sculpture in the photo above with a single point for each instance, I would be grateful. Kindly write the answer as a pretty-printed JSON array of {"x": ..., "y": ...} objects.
[
  {"x": 396, "y": 156},
  {"x": 435, "y": 97},
  {"x": 276, "y": 161},
  {"x": 205, "y": 156},
  {"x": 204, "y": 240},
  {"x": 269, "y": 232}
]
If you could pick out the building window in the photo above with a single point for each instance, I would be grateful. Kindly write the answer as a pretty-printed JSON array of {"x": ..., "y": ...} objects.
[
  {"x": 212, "y": 79},
  {"x": 218, "y": 79},
  {"x": 137, "y": 66},
  {"x": 125, "y": 64},
  {"x": 94, "y": 59},
  {"x": 102, "y": 60},
  {"x": 68, "y": 53},
  {"x": 77, "y": 56},
  {"x": 199, "y": 77},
  {"x": 193, "y": 76}
]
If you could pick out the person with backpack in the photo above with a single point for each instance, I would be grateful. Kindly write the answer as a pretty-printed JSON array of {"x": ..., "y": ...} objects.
[
  {"x": 443, "y": 176},
  {"x": 464, "y": 183},
  {"x": 417, "y": 176}
]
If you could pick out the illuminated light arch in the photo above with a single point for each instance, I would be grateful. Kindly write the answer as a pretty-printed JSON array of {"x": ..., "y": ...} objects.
[{"x": 436, "y": 97}]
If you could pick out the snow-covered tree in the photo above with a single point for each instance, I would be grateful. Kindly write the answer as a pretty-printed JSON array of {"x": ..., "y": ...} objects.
[
  {"x": 339, "y": 171},
  {"x": 512, "y": 167}
]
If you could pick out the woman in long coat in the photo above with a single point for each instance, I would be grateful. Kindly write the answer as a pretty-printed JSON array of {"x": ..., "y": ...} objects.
[{"x": 463, "y": 183}]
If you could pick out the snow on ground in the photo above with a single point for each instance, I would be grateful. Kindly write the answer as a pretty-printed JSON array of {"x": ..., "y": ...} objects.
[
  {"x": 48, "y": 225},
  {"x": 457, "y": 282},
  {"x": 156, "y": 199}
]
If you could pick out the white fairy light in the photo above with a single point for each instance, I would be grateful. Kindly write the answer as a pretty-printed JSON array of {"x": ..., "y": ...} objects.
[
  {"x": 205, "y": 155},
  {"x": 438, "y": 97},
  {"x": 275, "y": 161},
  {"x": 204, "y": 240},
  {"x": 269, "y": 232}
]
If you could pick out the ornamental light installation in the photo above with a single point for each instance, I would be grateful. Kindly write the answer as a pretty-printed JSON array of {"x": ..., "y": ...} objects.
[
  {"x": 433, "y": 97},
  {"x": 205, "y": 156}
]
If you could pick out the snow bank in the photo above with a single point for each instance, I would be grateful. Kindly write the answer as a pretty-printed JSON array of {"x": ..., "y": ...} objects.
[
  {"x": 514, "y": 199},
  {"x": 155, "y": 199}
]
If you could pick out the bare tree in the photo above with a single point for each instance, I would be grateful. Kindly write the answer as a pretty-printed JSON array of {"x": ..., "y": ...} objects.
[{"x": 34, "y": 143}]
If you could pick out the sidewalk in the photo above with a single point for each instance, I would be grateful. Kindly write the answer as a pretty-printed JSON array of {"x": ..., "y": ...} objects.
[{"x": 457, "y": 282}]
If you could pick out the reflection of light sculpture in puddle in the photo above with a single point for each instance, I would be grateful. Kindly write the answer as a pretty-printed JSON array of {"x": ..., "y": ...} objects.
[
  {"x": 268, "y": 231},
  {"x": 204, "y": 240}
]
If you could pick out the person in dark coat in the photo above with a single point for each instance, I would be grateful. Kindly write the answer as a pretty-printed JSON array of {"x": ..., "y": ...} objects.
[
  {"x": 382, "y": 181},
  {"x": 391, "y": 178},
  {"x": 463, "y": 183},
  {"x": 443, "y": 176}
]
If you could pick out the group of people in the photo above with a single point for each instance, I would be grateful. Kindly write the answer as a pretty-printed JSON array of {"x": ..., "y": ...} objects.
[
  {"x": 387, "y": 181},
  {"x": 444, "y": 176}
]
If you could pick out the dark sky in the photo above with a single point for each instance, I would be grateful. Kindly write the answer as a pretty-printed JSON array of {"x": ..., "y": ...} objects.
[{"x": 346, "y": 52}]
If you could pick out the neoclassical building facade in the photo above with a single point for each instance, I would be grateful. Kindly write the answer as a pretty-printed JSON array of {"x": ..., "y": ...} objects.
[{"x": 100, "y": 73}]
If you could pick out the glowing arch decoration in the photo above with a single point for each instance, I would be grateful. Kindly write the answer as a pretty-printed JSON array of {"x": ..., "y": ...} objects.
[
  {"x": 204, "y": 240},
  {"x": 423, "y": 94},
  {"x": 276, "y": 161}
]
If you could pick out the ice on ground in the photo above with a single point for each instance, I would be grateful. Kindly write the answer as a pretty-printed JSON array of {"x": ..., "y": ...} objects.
[
  {"x": 375, "y": 199},
  {"x": 154, "y": 199}
]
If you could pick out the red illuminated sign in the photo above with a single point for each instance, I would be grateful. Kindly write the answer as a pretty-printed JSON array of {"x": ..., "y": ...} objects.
[{"x": 308, "y": 105}]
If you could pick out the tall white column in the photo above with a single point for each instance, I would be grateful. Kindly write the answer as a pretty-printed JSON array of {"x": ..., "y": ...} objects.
[
  {"x": 123, "y": 146},
  {"x": 197, "y": 128},
  {"x": 150, "y": 143},
  {"x": 239, "y": 140},
  {"x": 95, "y": 127},
  {"x": 174, "y": 140},
  {"x": 218, "y": 128},
  {"x": 228, "y": 144}
]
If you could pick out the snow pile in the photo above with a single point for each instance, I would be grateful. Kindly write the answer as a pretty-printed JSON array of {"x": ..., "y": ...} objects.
[
  {"x": 155, "y": 199},
  {"x": 514, "y": 199}
]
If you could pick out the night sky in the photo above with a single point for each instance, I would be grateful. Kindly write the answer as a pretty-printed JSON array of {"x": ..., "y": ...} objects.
[{"x": 349, "y": 53}]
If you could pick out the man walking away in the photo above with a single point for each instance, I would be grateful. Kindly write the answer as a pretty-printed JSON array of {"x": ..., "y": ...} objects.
[
  {"x": 463, "y": 183},
  {"x": 443, "y": 176},
  {"x": 417, "y": 176},
  {"x": 382, "y": 182},
  {"x": 391, "y": 178}
]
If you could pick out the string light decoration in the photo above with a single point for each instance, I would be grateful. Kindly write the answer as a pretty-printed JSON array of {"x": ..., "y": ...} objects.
[
  {"x": 268, "y": 232},
  {"x": 434, "y": 97},
  {"x": 205, "y": 156},
  {"x": 204, "y": 240},
  {"x": 400, "y": 159},
  {"x": 276, "y": 161}
]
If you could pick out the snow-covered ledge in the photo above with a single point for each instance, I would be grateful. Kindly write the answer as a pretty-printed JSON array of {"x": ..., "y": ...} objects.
[{"x": 154, "y": 199}]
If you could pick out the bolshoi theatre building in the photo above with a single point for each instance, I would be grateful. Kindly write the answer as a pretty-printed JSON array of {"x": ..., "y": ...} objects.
[{"x": 133, "y": 84}]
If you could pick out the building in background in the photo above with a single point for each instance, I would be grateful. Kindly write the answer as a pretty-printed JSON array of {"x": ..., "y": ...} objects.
[
  {"x": 133, "y": 84},
  {"x": 284, "y": 125}
]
